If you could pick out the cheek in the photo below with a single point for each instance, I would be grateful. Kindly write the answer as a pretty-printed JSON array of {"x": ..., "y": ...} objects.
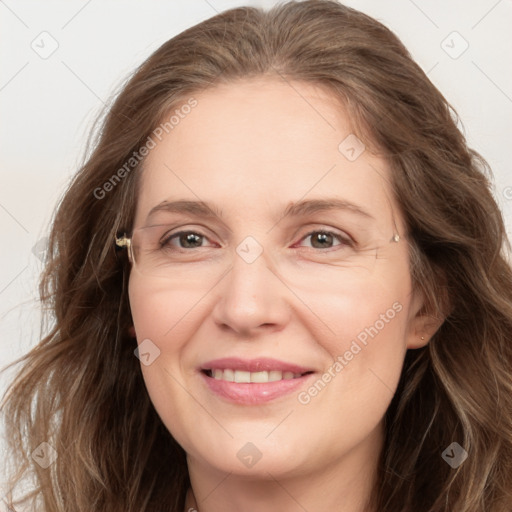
[
  {"x": 375, "y": 322},
  {"x": 366, "y": 358},
  {"x": 364, "y": 325},
  {"x": 348, "y": 305},
  {"x": 161, "y": 325},
  {"x": 162, "y": 312},
  {"x": 165, "y": 318}
]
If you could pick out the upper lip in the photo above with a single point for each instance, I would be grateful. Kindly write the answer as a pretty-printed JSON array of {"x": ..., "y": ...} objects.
[{"x": 260, "y": 364}]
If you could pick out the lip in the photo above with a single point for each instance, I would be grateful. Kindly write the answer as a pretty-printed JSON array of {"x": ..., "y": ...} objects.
[
  {"x": 261, "y": 364},
  {"x": 254, "y": 393}
]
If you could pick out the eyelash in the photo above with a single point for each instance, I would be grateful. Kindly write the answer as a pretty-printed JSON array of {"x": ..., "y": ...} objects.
[{"x": 344, "y": 241}]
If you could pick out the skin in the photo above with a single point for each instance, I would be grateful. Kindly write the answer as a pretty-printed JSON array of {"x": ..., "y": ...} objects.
[{"x": 251, "y": 148}]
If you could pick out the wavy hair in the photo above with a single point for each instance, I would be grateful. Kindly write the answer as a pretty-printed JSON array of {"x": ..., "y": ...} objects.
[{"x": 81, "y": 389}]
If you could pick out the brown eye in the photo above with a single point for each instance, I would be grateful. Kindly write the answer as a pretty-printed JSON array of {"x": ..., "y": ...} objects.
[
  {"x": 325, "y": 239},
  {"x": 186, "y": 240}
]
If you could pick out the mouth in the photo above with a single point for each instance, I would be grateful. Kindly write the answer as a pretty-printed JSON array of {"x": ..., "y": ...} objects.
[{"x": 253, "y": 382}]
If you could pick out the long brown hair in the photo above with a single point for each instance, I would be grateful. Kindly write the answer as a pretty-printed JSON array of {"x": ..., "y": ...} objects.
[{"x": 81, "y": 388}]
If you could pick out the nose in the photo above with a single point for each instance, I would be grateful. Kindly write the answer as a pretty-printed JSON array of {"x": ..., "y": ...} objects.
[{"x": 252, "y": 298}]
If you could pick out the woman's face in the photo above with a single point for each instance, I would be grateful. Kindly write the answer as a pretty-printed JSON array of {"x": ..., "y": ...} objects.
[{"x": 262, "y": 286}]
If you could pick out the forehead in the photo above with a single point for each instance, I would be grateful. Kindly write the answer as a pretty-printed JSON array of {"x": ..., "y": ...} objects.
[
  {"x": 262, "y": 141},
  {"x": 263, "y": 117}
]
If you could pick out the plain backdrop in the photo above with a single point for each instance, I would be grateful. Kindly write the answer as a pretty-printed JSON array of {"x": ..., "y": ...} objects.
[{"x": 61, "y": 62}]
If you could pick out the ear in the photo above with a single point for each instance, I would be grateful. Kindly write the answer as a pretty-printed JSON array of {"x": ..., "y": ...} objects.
[
  {"x": 131, "y": 331},
  {"x": 421, "y": 326}
]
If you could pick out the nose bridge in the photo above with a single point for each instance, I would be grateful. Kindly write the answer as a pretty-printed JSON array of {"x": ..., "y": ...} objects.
[
  {"x": 251, "y": 276},
  {"x": 251, "y": 294}
]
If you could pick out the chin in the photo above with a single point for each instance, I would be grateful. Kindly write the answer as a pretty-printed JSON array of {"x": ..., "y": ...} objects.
[{"x": 259, "y": 458}]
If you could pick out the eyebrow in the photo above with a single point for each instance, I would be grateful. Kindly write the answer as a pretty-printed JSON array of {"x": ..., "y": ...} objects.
[{"x": 294, "y": 209}]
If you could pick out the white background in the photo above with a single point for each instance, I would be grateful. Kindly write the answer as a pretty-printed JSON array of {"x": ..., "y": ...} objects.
[{"x": 47, "y": 105}]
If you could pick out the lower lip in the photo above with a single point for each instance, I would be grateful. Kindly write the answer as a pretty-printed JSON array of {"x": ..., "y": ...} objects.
[{"x": 254, "y": 393}]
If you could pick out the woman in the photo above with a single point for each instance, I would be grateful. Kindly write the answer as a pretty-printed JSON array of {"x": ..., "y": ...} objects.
[{"x": 274, "y": 288}]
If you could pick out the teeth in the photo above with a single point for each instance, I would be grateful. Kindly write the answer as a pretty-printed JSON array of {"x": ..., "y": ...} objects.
[
  {"x": 242, "y": 376},
  {"x": 259, "y": 377},
  {"x": 229, "y": 375},
  {"x": 274, "y": 375},
  {"x": 246, "y": 377}
]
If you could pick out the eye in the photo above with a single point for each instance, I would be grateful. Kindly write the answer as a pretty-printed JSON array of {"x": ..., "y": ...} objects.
[
  {"x": 323, "y": 239},
  {"x": 185, "y": 239}
]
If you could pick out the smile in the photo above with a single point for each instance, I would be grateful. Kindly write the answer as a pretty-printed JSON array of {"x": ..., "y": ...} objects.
[{"x": 255, "y": 381}]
